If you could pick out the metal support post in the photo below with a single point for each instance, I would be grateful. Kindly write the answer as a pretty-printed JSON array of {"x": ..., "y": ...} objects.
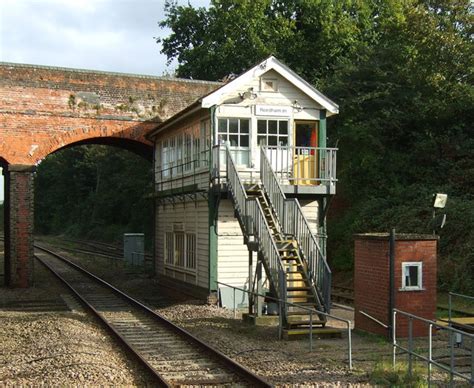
[
  {"x": 394, "y": 339},
  {"x": 259, "y": 288},
  {"x": 251, "y": 296},
  {"x": 410, "y": 346},
  {"x": 349, "y": 343},
  {"x": 430, "y": 353},
  {"x": 472, "y": 361},
  {"x": 310, "y": 331},
  {"x": 234, "y": 303},
  {"x": 449, "y": 308},
  {"x": 451, "y": 361}
]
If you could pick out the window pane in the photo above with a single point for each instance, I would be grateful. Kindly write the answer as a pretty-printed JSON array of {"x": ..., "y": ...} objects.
[
  {"x": 262, "y": 140},
  {"x": 222, "y": 139},
  {"x": 283, "y": 140},
  {"x": 283, "y": 127},
  {"x": 261, "y": 126},
  {"x": 244, "y": 126},
  {"x": 222, "y": 125},
  {"x": 244, "y": 140},
  {"x": 179, "y": 249},
  {"x": 412, "y": 276},
  {"x": 233, "y": 125},
  {"x": 272, "y": 126},
  {"x": 272, "y": 140},
  {"x": 234, "y": 140}
]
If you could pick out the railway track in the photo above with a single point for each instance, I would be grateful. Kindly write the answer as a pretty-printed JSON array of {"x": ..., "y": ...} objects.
[{"x": 172, "y": 355}]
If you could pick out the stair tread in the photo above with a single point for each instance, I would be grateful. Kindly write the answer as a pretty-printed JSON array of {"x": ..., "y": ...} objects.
[{"x": 304, "y": 288}]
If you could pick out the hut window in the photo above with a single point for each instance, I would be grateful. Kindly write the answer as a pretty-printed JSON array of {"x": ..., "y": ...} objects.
[
  {"x": 180, "y": 250},
  {"x": 272, "y": 133},
  {"x": 169, "y": 244},
  {"x": 188, "y": 150},
  {"x": 412, "y": 275},
  {"x": 234, "y": 131},
  {"x": 268, "y": 85}
]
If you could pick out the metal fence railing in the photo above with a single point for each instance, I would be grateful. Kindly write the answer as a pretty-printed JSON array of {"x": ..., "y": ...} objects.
[
  {"x": 303, "y": 165},
  {"x": 450, "y": 302},
  {"x": 451, "y": 350},
  {"x": 283, "y": 304}
]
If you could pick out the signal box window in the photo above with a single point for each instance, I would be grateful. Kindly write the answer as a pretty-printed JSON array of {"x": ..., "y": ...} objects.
[{"x": 412, "y": 276}]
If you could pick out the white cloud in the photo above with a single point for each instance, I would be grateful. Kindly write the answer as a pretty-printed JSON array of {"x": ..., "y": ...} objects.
[{"x": 93, "y": 34}]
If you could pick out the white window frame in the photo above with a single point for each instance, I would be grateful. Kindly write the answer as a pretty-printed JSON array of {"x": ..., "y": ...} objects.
[
  {"x": 276, "y": 135},
  {"x": 239, "y": 134},
  {"x": 181, "y": 251},
  {"x": 419, "y": 266}
]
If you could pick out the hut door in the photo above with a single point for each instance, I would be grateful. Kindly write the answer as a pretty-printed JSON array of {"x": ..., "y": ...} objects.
[{"x": 305, "y": 162}]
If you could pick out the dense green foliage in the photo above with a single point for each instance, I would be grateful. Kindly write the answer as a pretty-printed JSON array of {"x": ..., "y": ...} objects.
[
  {"x": 402, "y": 73},
  {"x": 95, "y": 192}
]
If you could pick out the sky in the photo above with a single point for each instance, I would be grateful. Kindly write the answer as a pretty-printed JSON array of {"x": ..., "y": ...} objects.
[{"x": 109, "y": 35}]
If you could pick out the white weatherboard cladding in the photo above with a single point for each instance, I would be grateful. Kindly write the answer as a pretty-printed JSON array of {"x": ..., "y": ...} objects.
[
  {"x": 275, "y": 70},
  {"x": 310, "y": 211},
  {"x": 232, "y": 262},
  {"x": 195, "y": 218},
  {"x": 233, "y": 106},
  {"x": 286, "y": 95}
]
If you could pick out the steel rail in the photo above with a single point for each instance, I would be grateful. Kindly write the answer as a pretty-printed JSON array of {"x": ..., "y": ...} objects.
[
  {"x": 109, "y": 327},
  {"x": 215, "y": 354}
]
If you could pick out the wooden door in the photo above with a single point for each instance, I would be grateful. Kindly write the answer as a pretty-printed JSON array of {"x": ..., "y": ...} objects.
[{"x": 305, "y": 156}]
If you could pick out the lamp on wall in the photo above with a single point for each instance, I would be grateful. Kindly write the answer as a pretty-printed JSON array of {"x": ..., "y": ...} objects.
[
  {"x": 248, "y": 95},
  {"x": 297, "y": 106},
  {"x": 439, "y": 202}
]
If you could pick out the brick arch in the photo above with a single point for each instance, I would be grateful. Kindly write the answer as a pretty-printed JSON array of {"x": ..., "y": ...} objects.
[
  {"x": 45, "y": 109},
  {"x": 104, "y": 136},
  {"x": 141, "y": 149}
]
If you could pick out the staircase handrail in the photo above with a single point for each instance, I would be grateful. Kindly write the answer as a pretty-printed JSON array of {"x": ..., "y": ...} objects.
[
  {"x": 254, "y": 222},
  {"x": 318, "y": 267},
  {"x": 272, "y": 187},
  {"x": 238, "y": 192},
  {"x": 298, "y": 226}
]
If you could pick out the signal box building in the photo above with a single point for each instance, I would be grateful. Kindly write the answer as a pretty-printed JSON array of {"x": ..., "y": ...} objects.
[{"x": 242, "y": 182}]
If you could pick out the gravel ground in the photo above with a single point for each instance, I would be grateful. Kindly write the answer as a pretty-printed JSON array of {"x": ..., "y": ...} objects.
[{"x": 69, "y": 347}]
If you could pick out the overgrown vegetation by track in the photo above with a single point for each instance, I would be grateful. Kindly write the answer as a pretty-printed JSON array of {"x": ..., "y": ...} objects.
[{"x": 95, "y": 192}]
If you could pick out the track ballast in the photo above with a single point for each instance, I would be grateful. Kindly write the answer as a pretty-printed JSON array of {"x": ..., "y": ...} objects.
[{"x": 171, "y": 354}]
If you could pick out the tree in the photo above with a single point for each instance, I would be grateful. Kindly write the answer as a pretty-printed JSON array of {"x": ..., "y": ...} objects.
[
  {"x": 402, "y": 73},
  {"x": 232, "y": 35},
  {"x": 96, "y": 192}
]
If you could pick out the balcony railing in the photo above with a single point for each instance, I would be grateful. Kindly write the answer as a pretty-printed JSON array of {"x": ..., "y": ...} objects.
[{"x": 303, "y": 165}]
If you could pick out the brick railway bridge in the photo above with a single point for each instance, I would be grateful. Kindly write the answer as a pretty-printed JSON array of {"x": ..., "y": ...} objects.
[{"x": 46, "y": 109}]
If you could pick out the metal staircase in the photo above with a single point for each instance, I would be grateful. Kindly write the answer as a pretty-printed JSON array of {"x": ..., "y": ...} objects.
[{"x": 276, "y": 228}]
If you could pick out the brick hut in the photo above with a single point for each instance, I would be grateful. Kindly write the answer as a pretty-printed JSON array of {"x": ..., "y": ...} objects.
[{"x": 414, "y": 280}]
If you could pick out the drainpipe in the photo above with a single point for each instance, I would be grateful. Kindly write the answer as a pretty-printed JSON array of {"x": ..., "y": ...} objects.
[
  {"x": 213, "y": 204},
  {"x": 391, "y": 300}
]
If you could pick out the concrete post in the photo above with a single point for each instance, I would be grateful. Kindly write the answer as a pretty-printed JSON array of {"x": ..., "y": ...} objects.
[{"x": 19, "y": 214}]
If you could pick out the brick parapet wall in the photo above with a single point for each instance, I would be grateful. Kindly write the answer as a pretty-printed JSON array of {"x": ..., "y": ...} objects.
[
  {"x": 43, "y": 108},
  {"x": 371, "y": 282}
]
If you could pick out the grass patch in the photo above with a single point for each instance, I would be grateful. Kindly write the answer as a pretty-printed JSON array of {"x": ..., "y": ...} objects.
[
  {"x": 387, "y": 376},
  {"x": 458, "y": 303}
]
